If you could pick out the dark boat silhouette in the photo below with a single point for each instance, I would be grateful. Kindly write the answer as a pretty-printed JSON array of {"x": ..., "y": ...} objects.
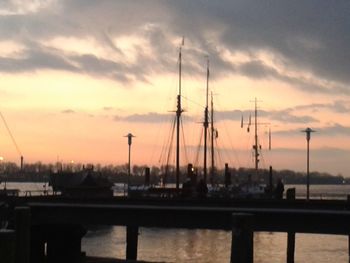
[{"x": 82, "y": 184}]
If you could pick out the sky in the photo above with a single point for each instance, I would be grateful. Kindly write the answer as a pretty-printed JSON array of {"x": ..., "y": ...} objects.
[{"x": 77, "y": 76}]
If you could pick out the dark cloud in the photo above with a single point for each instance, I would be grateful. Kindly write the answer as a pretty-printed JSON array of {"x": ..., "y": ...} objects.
[
  {"x": 38, "y": 57},
  {"x": 303, "y": 36}
]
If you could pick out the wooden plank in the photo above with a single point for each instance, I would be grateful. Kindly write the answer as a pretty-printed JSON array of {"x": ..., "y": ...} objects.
[{"x": 267, "y": 219}]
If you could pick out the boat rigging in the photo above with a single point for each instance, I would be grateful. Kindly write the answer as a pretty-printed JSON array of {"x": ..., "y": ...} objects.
[
  {"x": 12, "y": 138},
  {"x": 179, "y": 111},
  {"x": 256, "y": 146},
  {"x": 206, "y": 125}
]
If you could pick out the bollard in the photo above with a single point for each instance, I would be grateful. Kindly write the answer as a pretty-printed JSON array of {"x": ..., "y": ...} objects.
[
  {"x": 291, "y": 235},
  {"x": 22, "y": 227},
  {"x": 132, "y": 233},
  {"x": 270, "y": 180},
  {"x": 147, "y": 176},
  {"x": 227, "y": 175},
  {"x": 290, "y": 194},
  {"x": 242, "y": 246},
  {"x": 7, "y": 245}
]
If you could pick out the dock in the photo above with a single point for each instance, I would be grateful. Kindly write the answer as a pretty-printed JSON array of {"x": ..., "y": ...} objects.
[{"x": 58, "y": 223}]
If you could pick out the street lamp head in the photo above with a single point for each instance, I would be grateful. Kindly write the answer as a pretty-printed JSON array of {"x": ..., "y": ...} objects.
[
  {"x": 129, "y": 136},
  {"x": 308, "y": 132}
]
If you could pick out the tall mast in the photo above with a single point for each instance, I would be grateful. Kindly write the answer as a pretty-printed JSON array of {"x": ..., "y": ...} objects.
[
  {"x": 256, "y": 148},
  {"x": 178, "y": 118},
  {"x": 206, "y": 124},
  {"x": 212, "y": 140}
]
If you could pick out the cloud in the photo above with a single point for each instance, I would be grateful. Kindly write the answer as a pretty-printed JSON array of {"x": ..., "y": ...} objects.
[
  {"x": 306, "y": 38},
  {"x": 152, "y": 117},
  {"x": 17, "y": 7},
  {"x": 338, "y": 106},
  {"x": 68, "y": 111},
  {"x": 285, "y": 116},
  {"x": 108, "y": 108},
  {"x": 37, "y": 57},
  {"x": 331, "y": 130},
  {"x": 335, "y": 129}
]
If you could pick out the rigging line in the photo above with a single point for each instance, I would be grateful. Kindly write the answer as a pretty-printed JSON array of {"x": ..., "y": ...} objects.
[
  {"x": 231, "y": 144},
  {"x": 229, "y": 139},
  {"x": 218, "y": 154},
  {"x": 198, "y": 147},
  {"x": 225, "y": 152},
  {"x": 154, "y": 142},
  {"x": 194, "y": 102},
  {"x": 183, "y": 140},
  {"x": 170, "y": 150},
  {"x": 10, "y": 133},
  {"x": 263, "y": 161},
  {"x": 166, "y": 144},
  {"x": 167, "y": 140}
]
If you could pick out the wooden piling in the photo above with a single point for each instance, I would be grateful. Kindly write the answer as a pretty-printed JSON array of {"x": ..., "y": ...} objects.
[
  {"x": 242, "y": 246},
  {"x": 7, "y": 245},
  {"x": 22, "y": 229},
  {"x": 291, "y": 235},
  {"x": 290, "y": 247},
  {"x": 132, "y": 233}
]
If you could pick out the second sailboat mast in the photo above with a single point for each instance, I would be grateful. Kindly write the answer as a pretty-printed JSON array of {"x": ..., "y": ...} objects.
[
  {"x": 206, "y": 124},
  {"x": 178, "y": 117}
]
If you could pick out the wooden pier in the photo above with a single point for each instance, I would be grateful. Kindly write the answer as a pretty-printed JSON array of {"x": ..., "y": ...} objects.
[{"x": 58, "y": 225}]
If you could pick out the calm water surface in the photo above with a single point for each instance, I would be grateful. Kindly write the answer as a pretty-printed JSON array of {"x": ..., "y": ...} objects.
[
  {"x": 190, "y": 246},
  {"x": 181, "y": 245}
]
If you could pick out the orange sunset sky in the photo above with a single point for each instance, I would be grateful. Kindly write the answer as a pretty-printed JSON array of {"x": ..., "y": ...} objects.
[{"x": 76, "y": 76}]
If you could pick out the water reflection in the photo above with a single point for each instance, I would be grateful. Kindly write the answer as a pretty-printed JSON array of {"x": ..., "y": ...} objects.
[{"x": 181, "y": 245}]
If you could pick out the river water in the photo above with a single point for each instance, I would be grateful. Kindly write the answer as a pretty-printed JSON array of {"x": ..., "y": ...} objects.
[{"x": 183, "y": 245}]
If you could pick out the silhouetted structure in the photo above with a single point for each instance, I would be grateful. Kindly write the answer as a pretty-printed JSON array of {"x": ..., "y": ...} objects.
[
  {"x": 85, "y": 183},
  {"x": 279, "y": 189}
]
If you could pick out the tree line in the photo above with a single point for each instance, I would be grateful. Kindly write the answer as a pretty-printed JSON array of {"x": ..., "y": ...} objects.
[{"x": 40, "y": 172}]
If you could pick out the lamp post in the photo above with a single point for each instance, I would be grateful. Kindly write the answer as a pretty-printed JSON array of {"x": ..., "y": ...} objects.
[
  {"x": 129, "y": 136},
  {"x": 308, "y": 132}
]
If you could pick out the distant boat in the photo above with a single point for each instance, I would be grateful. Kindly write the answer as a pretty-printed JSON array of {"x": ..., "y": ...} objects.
[{"x": 83, "y": 184}]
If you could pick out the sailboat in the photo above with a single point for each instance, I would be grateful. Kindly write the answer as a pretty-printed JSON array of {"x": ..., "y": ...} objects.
[{"x": 253, "y": 188}]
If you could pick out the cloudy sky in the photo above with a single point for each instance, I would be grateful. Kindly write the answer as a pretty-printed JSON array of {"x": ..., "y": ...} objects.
[{"x": 76, "y": 76}]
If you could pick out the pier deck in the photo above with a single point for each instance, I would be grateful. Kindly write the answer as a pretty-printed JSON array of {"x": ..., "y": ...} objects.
[{"x": 60, "y": 222}]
